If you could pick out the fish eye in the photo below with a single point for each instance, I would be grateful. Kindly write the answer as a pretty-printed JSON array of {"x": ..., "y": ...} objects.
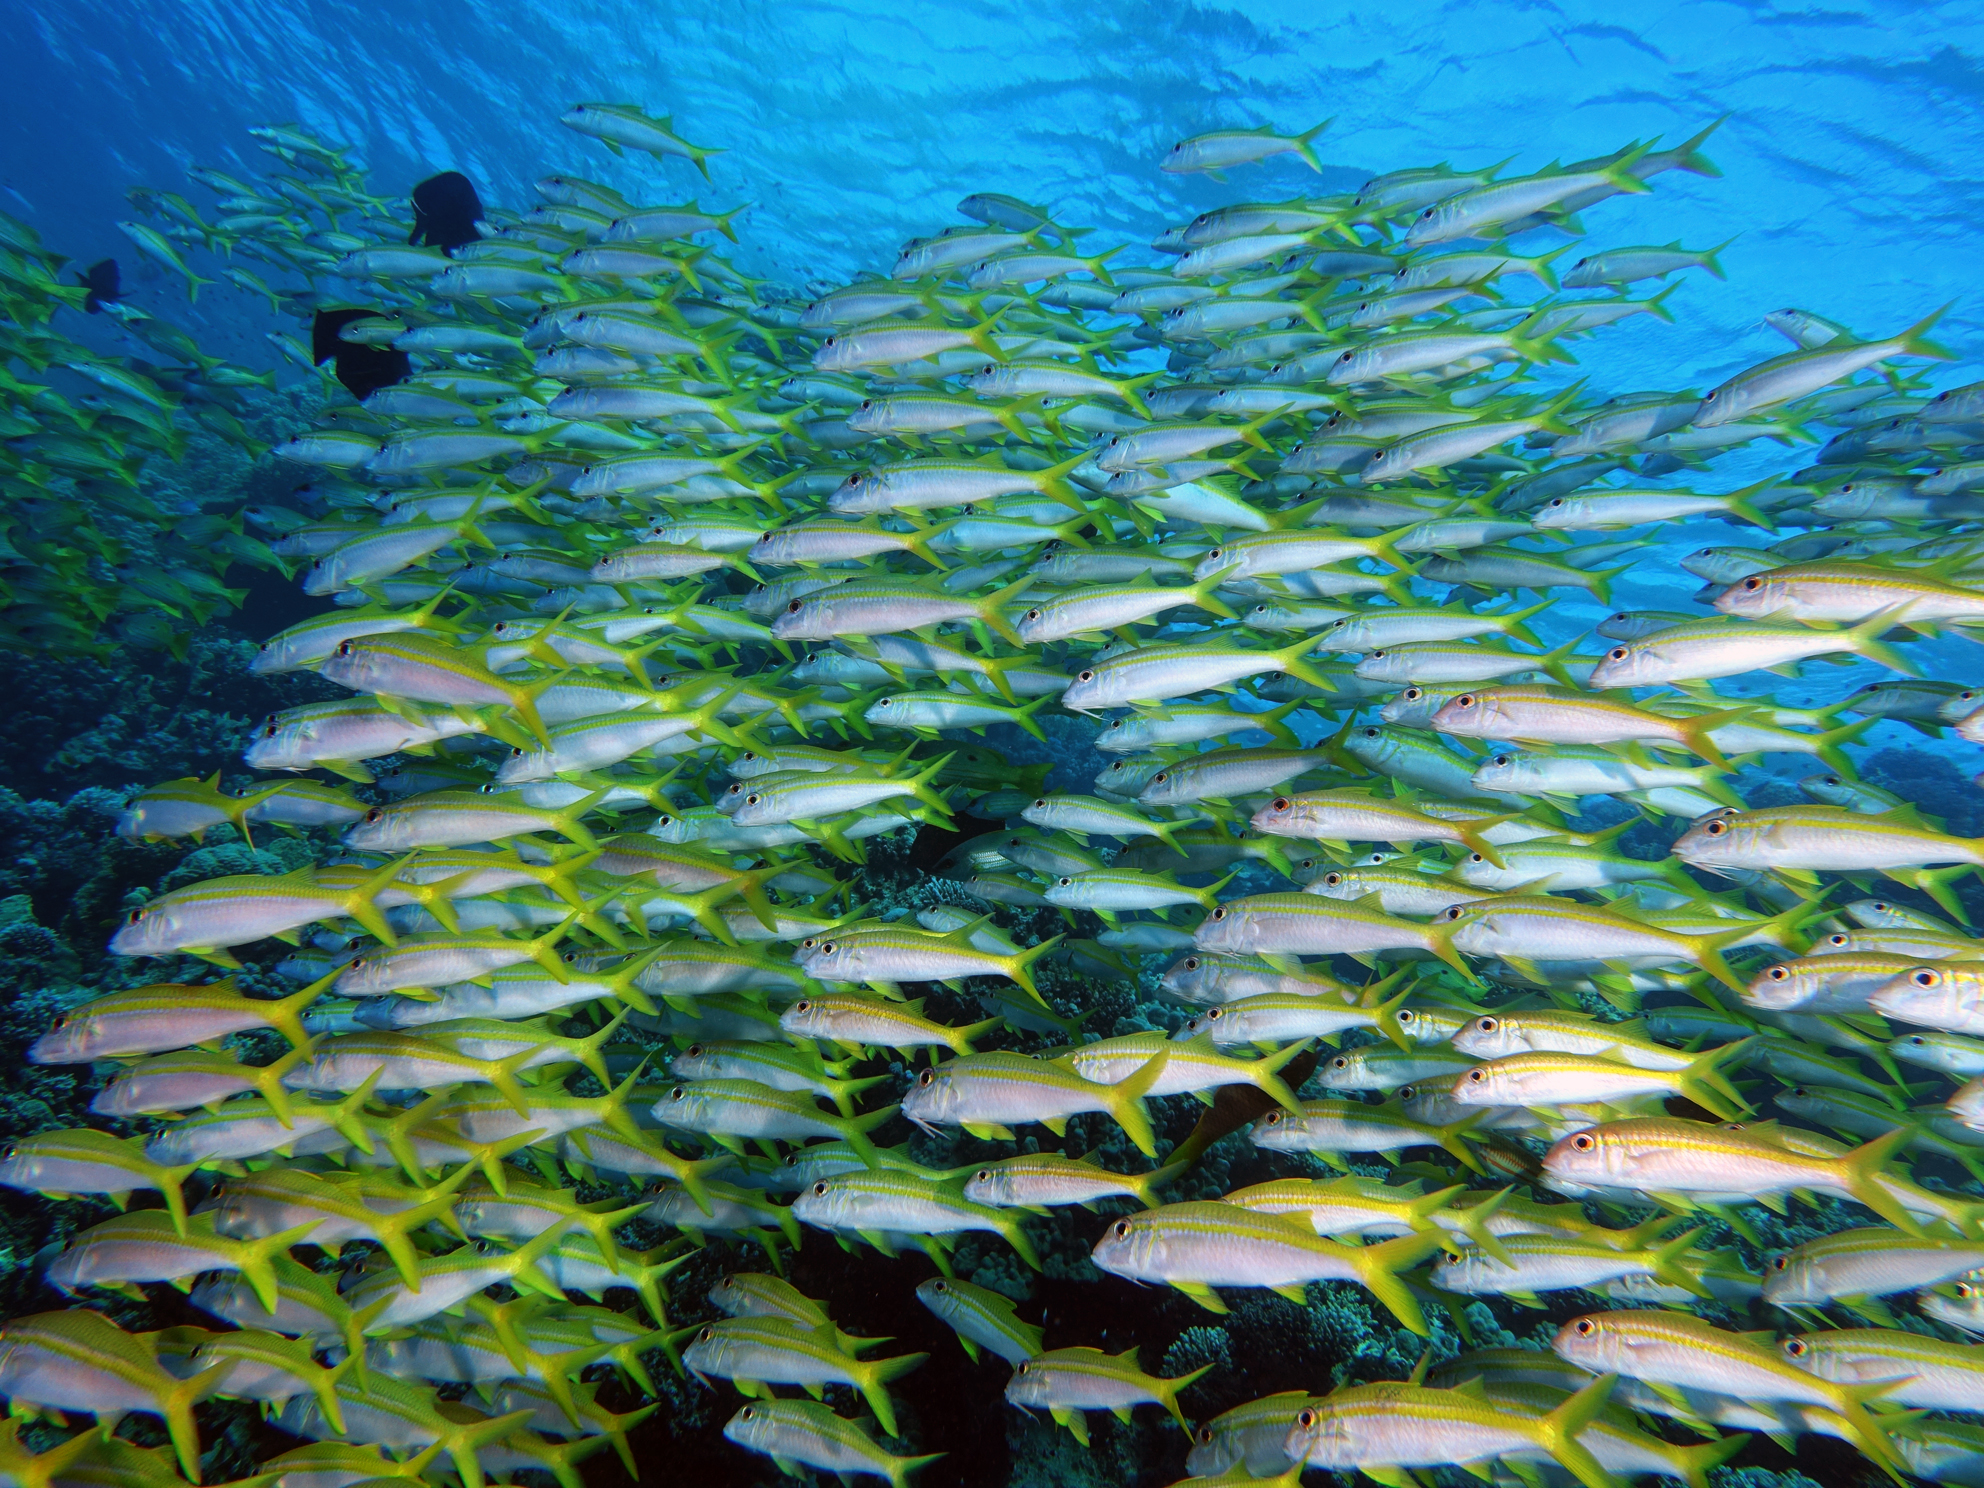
[
  {"x": 1031, "y": 615},
  {"x": 1085, "y": 677},
  {"x": 1487, "y": 1025},
  {"x": 1307, "y": 1418},
  {"x": 377, "y": 813},
  {"x": 1584, "y": 1327},
  {"x": 1476, "y": 858},
  {"x": 1465, "y": 700},
  {"x": 1965, "y": 1290},
  {"x": 1583, "y": 1142},
  {"x": 1203, "y": 1436},
  {"x": 134, "y": 916},
  {"x": 1617, "y": 653},
  {"x": 1716, "y": 828},
  {"x": 819, "y": 1190},
  {"x": 1341, "y": 1062},
  {"x": 1122, "y": 1228},
  {"x": 1332, "y": 879},
  {"x": 1477, "y": 1076},
  {"x": 678, "y": 1093},
  {"x": 827, "y": 948},
  {"x": 926, "y": 1079},
  {"x": 1063, "y": 882},
  {"x": 706, "y": 1335},
  {"x": 1925, "y": 977},
  {"x": 1220, "y": 913},
  {"x": 1782, "y": 1263},
  {"x": 1191, "y": 963},
  {"x": 1021, "y": 1370},
  {"x": 749, "y": 1413},
  {"x": 1280, "y": 803},
  {"x": 794, "y": 607},
  {"x": 1274, "y": 1118},
  {"x": 1797, "y": 1347},
  {"x": 798, "y": 1007},
  {"x": 1778, "y": 974},
  {"x": 694, "y": 1051}
]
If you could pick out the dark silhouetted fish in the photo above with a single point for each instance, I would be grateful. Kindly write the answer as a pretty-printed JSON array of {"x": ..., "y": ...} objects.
[
  {"x": 445, "y": 211},
  {"x": 103, "y": 286},
  {"x": 362, "y": 369}
]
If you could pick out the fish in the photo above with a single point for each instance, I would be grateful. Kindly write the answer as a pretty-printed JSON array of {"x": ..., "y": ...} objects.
[
  {"x": 809, "y": 1433},
  {"x": 746, "y": 648},
  {"x": 1067, "y": 1382}
]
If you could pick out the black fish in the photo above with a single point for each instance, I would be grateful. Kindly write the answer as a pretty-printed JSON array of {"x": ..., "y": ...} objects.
[
  {"x": 103, "y": 286},
  {"x": 445, "y": 211},
  {"x": 362, "y": 369}
]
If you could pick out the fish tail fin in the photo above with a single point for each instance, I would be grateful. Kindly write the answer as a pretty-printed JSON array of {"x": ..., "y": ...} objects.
[
  {"x": 1203, "y": 596},
  {"x": 588, "y": 1050},
  {"x": 1915, "y": 340},
  {"x": 1690, "y": 154},
  {"x": 1864, "y": 1431},
  {"x": 1865, "y": 639},
  {"x": 1125, "y": 1101},
  {"x": 1657, "y": 304},
  {"x": 1020, "y": 968},
  {"x": 920, "y": 787},
  {"x": 1016, "y": 1236},
  {"x": 961, "y": 1038},
  {"x": 1167, "y": 1392},
  {"x": 176, "y": 1405},
  {"x": 1663, "y": 1261},
  {"x": 1860, "y": 1174},
  {"x": 358, "y": 903},
  {"x": 1828, "y": 748},
  {"x": 1703, "y": 1082},
  {"x": 1692, "y": 1465},
  {"x": 462, "y": 1440},
  {"x": 346, "y": 1117},
  {"x": 1305, "y": 145},
  {"x": 1518, "y": 623},
  {"x": 844, "y": 1091},
  {"x": 1267, "y": 1079},
  {"x": 899, "y": 1468},
  {"x": 1024, "y": 717},
  {"x": 991, "y": 609},
  {"x": 1294, "y": 661},
  {"x": 1378, "y": 1268},
  {"x": 1473, "y": 838},
  {"x": 870, "y": 1378},
  {"x": 855, "y": 1129},
  {"x": 1695, "y": 732},
  {"x": 1145, "y": 1185},
  {"x": 1557, "y": 1433},
  {"x": 1739, "y": 504},
  {"x": 1620, "y": 172},
  {"x": 169, "y": 1182},
  {"x": 255, "y": 1259},
  {"x": 1272, "y": 722}
]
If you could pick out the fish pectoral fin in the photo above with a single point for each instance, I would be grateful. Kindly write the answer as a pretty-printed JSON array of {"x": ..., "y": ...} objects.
[
  {"x": 1202, "y": 1294},
  {"x": 1073, "y": 1420},
  {"x": 880, "y": 1241}
]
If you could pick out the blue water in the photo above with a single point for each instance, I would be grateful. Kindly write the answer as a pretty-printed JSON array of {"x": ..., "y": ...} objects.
[{"x": 1852, "y": 181}]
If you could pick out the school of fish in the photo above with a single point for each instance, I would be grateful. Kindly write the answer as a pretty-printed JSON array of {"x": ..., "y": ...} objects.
[{"x": 664, "y": 594}]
